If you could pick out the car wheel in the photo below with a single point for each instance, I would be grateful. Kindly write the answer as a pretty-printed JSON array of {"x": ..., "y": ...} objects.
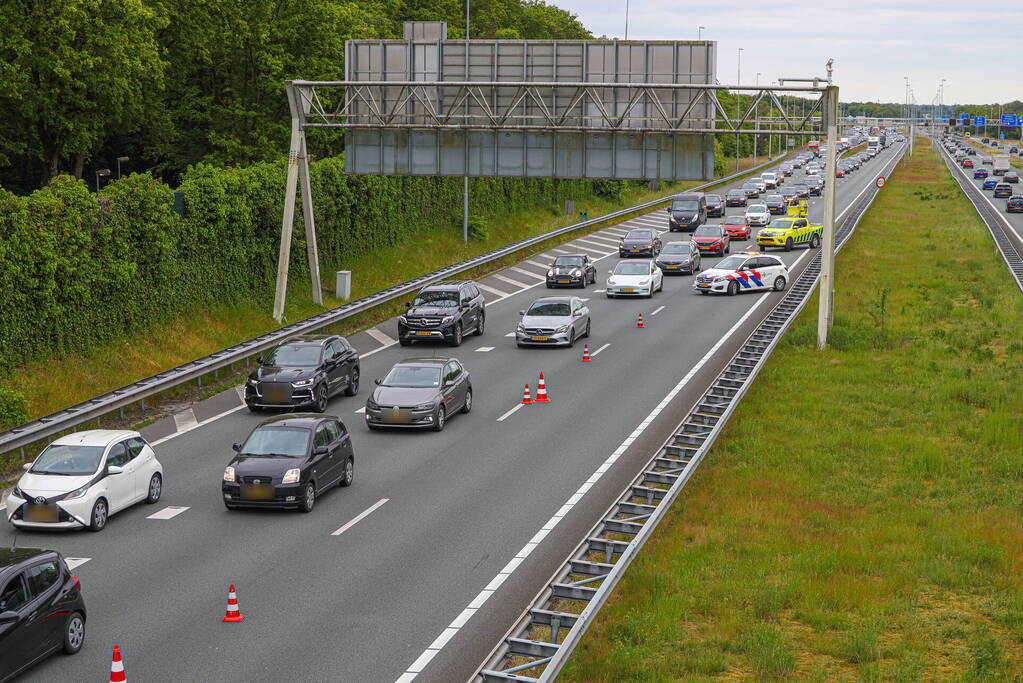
[
  {"x": 456, "y": 338},
  {"x": 779, "y": 283},
  {"x": 571, "y": 338},
  {"x": 100, "y": 513},
  {"x": 320, "y": 404},
  {"x": 467, "y": 406},
  {"x": 74, "y": 633},
  {"x": 728, "y": 249},
  {"x": 349, "y": 473},
  {"x": 480, "y": 325},
  {"x": 815, "y": 242},
  {"x": 229, "y": 506},
  {"x": 439, "y": 418},
  {"x": 610, "y": 296},
  {"x": 788, "y": 244},
  {"x": 353, "y": 382},
  {"x": 733, "y": 288},
  {"x": 308, "y": 498},
  {"x": 253, "y": 409},
  {"x": 404, "y": 342},
  {"x": 587, "y": 332},
  {"x": 155, "y": 488}
]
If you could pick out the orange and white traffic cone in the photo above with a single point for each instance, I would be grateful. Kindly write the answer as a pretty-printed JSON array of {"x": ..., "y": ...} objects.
[
  {"x": 586, "y": 354},
  {"x": 526, "y": 400},
  {"x": 233, "y": 614},
  {"x": 639, "y": 323},
  {"x": 117, "y": 667},
  {"x": 541, "y": 391}
]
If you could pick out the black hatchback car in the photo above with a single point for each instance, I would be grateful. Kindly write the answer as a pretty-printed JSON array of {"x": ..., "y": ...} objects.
[
  {"x": 571, "y": 270},
  {"x": 715, "y": 205},
  {"x": 443, "y": 312},
  {"x": 640, "y": 242},
  {"x": 735, "y": 198},
  {"x": 304, "y": 372},
  {"x": 41, "y": 609},
  {"x": 288, "y": 462}
]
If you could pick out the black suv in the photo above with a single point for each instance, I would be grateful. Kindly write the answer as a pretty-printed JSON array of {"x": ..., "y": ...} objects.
[
  {"x": 303, "y": 371},
  {"x": 41, "y": 609},
  {"x": 444, "y": 311}
]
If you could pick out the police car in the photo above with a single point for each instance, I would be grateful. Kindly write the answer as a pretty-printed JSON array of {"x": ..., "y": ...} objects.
[{"x": 751, "y": 270}]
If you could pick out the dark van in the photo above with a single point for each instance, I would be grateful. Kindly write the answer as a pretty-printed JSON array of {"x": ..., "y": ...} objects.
[{"x": 687, "y": 212}]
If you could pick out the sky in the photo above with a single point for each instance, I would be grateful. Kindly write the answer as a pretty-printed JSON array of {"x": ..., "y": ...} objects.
[{"x": 874, "y": 44}]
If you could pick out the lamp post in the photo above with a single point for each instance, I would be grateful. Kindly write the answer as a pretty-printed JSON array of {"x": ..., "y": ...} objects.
[
  {"x": 119, "y": 160},
  {"x": 626, "y": 19},
  {"x": 101, "y": 173},
  {"x": 699, "y": 33},
  {"x": 755, "y": 118},
  {"x": 738, "y": 106}
]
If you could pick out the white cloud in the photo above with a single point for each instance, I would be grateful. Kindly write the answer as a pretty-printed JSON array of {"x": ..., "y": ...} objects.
[{"x": 874, "y": 43}]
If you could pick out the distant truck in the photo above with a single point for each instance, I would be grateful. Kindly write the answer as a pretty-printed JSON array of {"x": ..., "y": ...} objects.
[
  {"x": 1000, "y": 164},
  {"x": 874, "y": 142}
]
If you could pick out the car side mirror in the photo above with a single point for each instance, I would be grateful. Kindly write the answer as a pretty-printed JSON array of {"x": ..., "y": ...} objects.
[
  {"x": 8, "y": 616},
  {"x": 320, "y": 450},
  {"x": 522, "y": 312},
  {"x": 27, "y": 466},
  {"x": 114, "y": 469},
  {"x": 408, "y": 304},
  {"x": 449, "y": 382},
  {"x": 377, "y": 381},
  {"x": 237, "y": 447}
]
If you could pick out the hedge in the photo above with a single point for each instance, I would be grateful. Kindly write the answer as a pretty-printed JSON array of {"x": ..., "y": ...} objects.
[{"x": 77, "y": 270}]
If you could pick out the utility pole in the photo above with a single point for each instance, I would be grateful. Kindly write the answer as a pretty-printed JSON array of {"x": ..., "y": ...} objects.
[
  {"x": 827, "y": 285},
  {"x": 757, "y": 119},
  {"x": 738, "y": 106},
  {"x": 465, "y": 179}
]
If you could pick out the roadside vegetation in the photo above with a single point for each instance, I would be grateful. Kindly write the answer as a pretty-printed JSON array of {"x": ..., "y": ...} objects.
[{"x": 861, "y": 517}]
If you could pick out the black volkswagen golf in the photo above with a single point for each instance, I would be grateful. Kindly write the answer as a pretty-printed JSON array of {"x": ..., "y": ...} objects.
[
  {"x": 304, "y": 371},
  {"x": 288, "y": 462},
  {"x": 41, "y": 609}
]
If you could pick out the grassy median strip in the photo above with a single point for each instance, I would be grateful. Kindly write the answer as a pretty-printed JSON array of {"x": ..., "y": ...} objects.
[{"x": 861, "y": 517}]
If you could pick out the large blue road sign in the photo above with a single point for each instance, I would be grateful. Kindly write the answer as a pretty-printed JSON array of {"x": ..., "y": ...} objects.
[
  {"x": 964, "y": 116},
  {"x": 941, "y": 119},
  {"x": 1010, "y": 120},
  {"x": 980, "y": 120}
]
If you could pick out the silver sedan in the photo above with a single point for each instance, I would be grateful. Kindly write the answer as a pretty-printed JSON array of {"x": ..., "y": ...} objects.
[{"x": 553, "y": 321}]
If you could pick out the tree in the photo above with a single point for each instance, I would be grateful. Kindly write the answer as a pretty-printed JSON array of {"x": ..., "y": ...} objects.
[{"x": 74, "y": 71}]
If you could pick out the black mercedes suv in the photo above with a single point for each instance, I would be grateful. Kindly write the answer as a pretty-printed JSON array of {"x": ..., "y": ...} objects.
[
  {"x": 41, "y": 609},
  {"x": 443, "y": 312},
  {"x": 303, "y": 371}
]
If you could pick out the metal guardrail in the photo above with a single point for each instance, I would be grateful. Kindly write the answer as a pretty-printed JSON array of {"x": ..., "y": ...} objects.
[
  {"x": 646, "y": 500},
  {"x": 68, "y": 418},
  {"x": 993, "y": 220}
]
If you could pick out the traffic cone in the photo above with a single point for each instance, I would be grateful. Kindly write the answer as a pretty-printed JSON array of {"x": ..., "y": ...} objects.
[
  {"x": 526, "y": 400},
  {"x": 117, "y": 667},
  {"x": 639, "y": 323},
  {"x": 232, "y": 607},
  {"x": 586, "y": 354},
  {"x": 541, "y": 391}
]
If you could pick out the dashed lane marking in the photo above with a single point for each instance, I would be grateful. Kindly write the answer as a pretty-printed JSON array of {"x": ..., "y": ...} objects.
[
  {"x": 537, "y": 264},
  {"x": 484, "y": 349},
  {"x": 490, "y": 289},
  {"x": 73, "y": 562},
  {"x": 359, "y": 517},
  {"x": 510, "y": 413},
  {"x": 591, "y": 250},
  {"x": 379, "y": 336},
  {"x": 168, "y": 512},
  {"x": 510, "y": 281},
  {"x": 527, "y": 272},
  {"x": 185, "y": 420},
  {"x": 361, "y": 410},
  {"x": 599, "y": 350},
  {"x": 599, "y": 291},
  {"x": 657, "y": 310},
  {"x": 561, "y": 251},
  {"x": 510, "y": 334}
]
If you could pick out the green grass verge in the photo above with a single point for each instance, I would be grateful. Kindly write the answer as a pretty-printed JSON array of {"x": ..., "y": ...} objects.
[{"x": 861, "y": 516}]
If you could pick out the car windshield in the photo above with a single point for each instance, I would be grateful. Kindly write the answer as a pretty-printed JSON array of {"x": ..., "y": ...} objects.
[
  {"x": 270, "y": 440},
  {"x": 712, "y": 198},
  {"x": 788, "y": 192},
  {"x": 735, "y": 193},
  {"x": 293, "y": 355},
  {"x": 568, "y": 261},
  {"x": 730, "y": 262},
  {"x": 735, "y": 220},
  {"x": 632, "y": 268},
  {"x": 442, "y": 298},
  {"x": 685, "y": 205},
  {"x": 639, "y": 235},
  {"x": 773, "y": 198},
  {"x": 708, "y": 231},
  {"x": 412, "y": 376},
  {"x": 749, "y": 186},
  {"x": 675, "y": 248},
  {"x": 70, "y": 460},
  {"x": 756, "y": 208},
  {"x": 799, "y": 188},
  {"x": 549, "y": 308}
]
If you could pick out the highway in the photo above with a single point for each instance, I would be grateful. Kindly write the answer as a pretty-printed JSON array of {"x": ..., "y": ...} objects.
[
  {"x": 1014, "y": 221},
  {"x": 431, "y": 519}
]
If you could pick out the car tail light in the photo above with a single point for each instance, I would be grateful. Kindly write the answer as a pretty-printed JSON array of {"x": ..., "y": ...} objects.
[{"x": 78, "y": 584}]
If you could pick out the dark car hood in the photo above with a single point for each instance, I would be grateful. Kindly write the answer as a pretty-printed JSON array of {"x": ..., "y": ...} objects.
[
  {"x": 564, "y": 270},
  {"x": 431, "y": 311},
  {"x": 683, "y": 215},
  {"x": 672, "y": 258},
  {"x": 271, "y": 373},
  {"x": 638, "y": 243},
  {"x": 404, "y": 396},
  {"x": 268, "y": 465}
]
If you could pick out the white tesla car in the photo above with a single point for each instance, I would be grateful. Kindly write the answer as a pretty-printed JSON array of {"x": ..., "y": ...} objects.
[
  {"x": 635, "y": 278},
  {"x": 81, "y": 479}
]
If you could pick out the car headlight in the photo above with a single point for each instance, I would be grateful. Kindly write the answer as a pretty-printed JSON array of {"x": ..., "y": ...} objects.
[
  {"x": 403, "y": 320},
  {"x": 520, "y": 328},
  {"x": 550, "y": 273},
  {"x": 719, "y": 279},
  {"x": 19, "y": 493},
  {"x": 563, "y": 328},
  {"x": 610, "y": 281},
  {"x": 577, "y": 272},
  {"x": 684, "y": 262},
  {"x": 229, "y": 474},
  {"x": 644, "y": 283},
  {"x": 302, "y": 382},
  {"x": 78, "y": 493},
  {"x": 447, "y": 319},
  {"x": 251, "y": 382},
  {"x": 292, "y": 476},
  {"x": 425, "y": 406},
  {"x": 371, "y": 404}
]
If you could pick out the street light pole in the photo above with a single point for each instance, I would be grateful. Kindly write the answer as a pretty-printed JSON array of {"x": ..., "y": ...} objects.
[
  {"x": 465, "y": 178},
  {"x": 756, "y": 118},
  {"x": 699, "y": 34},
  {"x": 827, "y": 284},
  {"x": 626, "y": 19},
  {"x": 101, "y": 173},
  {"x": 119, "y": 160},
  {"x": 738, "y": 106}
]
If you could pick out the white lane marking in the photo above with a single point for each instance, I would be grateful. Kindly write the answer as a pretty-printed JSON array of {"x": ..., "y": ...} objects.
[
  {"x": 510, "y": 334},
  {"x": 616, "y": 231},
  {"x": 593, "y": 242},
  {"x": 361, "y": 410},
  {"x": 510, "y": 281},
  {"x": 430, "y": 652},
  {"x": 610, "y": 241},
  {"x": 510, "y": 412},
  {"x": 359, "y": 517},
  {"x": 490, "y": 289},
  {"x": 379, "y": 336},
  {"x": 240, "y": 389},
  {"x": 376, "y": 350},
  {"x": 197, "y": 425},
  {"x": 484, "y": 349},
  {"x": 538, "y": 264},
  {"x": 73, "y": 562},
  {"x": 584, "y": 298},
  {"x": 561, "y": 251},
  {"x": 657, "y": 310},
  {"x": 590, "y": 249},
  {"x": 599, "y": 350},
  {"x": 185, "y": 419},
  {"x": 643, "y": 221},
  {"x": 526, "y": 272},
  {"x": 599, "y": 291},
  {"x": 169, "y": 512}
]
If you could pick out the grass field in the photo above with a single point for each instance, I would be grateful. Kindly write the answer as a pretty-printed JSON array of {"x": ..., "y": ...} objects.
[{"x": 861, "y": 517}]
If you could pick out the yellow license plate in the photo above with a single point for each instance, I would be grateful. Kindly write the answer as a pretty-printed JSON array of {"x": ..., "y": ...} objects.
[
  {"x": 672, "y": 267},
  {"x": 564, "y": 282},
  {"x": 258, "y": 492},
  {"x": 541, "y": 338},
  {"x": 703, "y": 286},
  {"x": 628, "y": 289},
  {"x": 634, "y": 251},
  {"x": 424, "y": 333},
  {"x": 41, "y": 513}
]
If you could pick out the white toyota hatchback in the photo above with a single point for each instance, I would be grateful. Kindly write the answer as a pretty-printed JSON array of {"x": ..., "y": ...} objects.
[{"x": 81, "y": 479}]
